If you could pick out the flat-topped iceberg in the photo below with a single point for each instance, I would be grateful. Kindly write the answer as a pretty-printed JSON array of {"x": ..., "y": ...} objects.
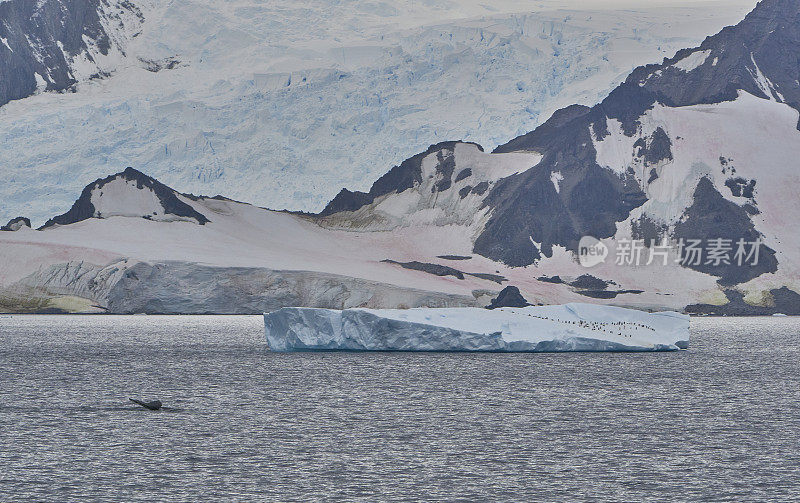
[{"x": 571, "y": 327}]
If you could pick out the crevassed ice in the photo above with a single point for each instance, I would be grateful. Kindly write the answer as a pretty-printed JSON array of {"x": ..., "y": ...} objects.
[{"x": 287, "y": 118}]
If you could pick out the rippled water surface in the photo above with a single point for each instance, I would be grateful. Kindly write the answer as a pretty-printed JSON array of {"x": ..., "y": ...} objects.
[{"x": 718, "y": 422}]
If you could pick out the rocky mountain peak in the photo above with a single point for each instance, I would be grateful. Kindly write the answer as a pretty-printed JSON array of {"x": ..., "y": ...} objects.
[
  {"x": 16, "y": 224},
  {"x": 50, "y": 45},
  {"x": 757, "y": 56},
  {"x": 130, "y": 193}
]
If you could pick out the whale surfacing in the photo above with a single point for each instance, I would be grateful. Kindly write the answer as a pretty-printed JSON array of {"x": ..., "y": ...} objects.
[{"x": 152, "y": 405}]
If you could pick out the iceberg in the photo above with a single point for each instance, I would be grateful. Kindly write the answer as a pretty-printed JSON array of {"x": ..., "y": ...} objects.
[{"x": 569, "y": 327}]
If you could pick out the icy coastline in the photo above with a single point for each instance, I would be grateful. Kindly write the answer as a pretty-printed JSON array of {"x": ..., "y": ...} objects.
[{"x": 569, "y": 327}]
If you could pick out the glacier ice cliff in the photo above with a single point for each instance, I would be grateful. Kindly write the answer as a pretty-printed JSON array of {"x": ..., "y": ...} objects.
[
  {"x": 570, "y": 327},
  {"x": 172, "y": 287}
]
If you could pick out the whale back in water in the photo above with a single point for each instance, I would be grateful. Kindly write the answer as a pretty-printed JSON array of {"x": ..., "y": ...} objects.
[{"x": 152, "y": 405}]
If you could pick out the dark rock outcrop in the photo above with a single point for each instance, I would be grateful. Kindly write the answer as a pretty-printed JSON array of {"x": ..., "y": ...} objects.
[
  {"x": 444, "y": 170},
  {"x": 497, "y": 278},
  {"x": 435, "y": 269},
  {"x": 454, "y": 257},
  {"x": 741, "y": 187},
  {"x": 551, "y": 279},
  {"x": 589, "y": 282},
  {"x": 546, "y": 134},
  {"x": 656, "y": 148},
  {"x": 480, "y": 188},
  {"x": 765, "y": 42},
  {"x": 464, "y": 173},
  {"x": 526, "y": 207},
  {"x": 443, "y": 270},
  {"x": 16, "y": 224},
  {"x": 648, "y": 230},
  {"x": 34, "y": 33},
  {"x": 596, "y": 288},
  {"x": 607, "y": 294},
  {"x": 509, "y": 296},
  {"x": 783, "y": 301},
  {"x": 711, "y": 216}
]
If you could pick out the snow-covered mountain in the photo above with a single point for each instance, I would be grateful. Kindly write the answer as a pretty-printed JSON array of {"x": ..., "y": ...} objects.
[
  {"x": 131, "y": 244},
  {"x": 53, "y": 45},
  {"x": 282, "y": 103},
  {"x": 128, "y": 194},
  {"x": 702, "y": 146}
]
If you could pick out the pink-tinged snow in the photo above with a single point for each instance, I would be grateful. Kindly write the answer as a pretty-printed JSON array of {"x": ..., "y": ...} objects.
[
  {"x": 426, "y": 224},
  {"x": 24, "y": 252},
  {"x": 244, "y": 235},
  {"x": 761, "y": 141},
  {"x": 760, "y": 138},
  {"x": 239, "y": 235},
  {"x": 247, "y": 236}
]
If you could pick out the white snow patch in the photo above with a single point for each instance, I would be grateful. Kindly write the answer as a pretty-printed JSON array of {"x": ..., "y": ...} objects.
[
  {"x": 763, "y": 82},
  {"x": 556, "y": 177},
  {"x": 121, "y": 197},
  {"x": 615, "y": 151},
  {"x": 692, "y": 61},
  {"x": 41, "y": 84}
]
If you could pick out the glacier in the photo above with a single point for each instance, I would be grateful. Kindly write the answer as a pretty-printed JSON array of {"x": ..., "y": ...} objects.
[
  {"x": 557, "y": 328},
  {"x": 281, "y": 104}
]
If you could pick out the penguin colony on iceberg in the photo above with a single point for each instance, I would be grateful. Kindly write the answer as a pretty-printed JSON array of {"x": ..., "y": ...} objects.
[{"x": 597, "y": 326}]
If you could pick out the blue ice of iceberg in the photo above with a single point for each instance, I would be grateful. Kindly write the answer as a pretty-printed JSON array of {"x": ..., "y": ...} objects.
[{"x": 569, "y": 327}]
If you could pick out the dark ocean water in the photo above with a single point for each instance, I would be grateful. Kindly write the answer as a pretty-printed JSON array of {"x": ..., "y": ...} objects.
[{"x": 718, "y": 422}]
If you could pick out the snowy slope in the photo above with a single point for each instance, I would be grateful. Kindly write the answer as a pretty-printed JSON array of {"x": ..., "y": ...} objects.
[
  {"x": 571, "y": 327},
  {"x": 246, "y": 259},
  {"x": 702, "y": 145},
  {"x": 282, "y": 104},
  {"x": 198, "y": 255}
]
